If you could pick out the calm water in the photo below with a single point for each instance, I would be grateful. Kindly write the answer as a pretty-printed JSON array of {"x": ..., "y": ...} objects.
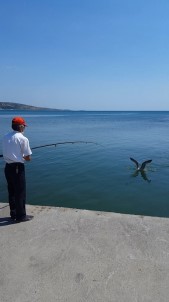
[{"x": 96, "y": 177}]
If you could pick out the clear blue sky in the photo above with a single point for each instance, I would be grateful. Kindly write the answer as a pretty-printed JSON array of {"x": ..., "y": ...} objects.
[{"x": 85, "y": 54}]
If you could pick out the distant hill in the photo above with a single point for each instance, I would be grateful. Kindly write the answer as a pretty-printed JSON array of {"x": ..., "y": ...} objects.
[{"x": 17, "y": 106}]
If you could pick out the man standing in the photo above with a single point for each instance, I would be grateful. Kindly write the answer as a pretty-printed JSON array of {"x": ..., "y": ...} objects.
[{"x": 16, "y": 151}]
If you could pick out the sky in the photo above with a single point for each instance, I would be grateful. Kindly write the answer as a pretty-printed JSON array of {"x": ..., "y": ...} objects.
[{"x": 85, "y": 54}]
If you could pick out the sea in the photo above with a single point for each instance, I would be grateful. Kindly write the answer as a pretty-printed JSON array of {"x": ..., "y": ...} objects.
[{"x": 97, "y": 175}]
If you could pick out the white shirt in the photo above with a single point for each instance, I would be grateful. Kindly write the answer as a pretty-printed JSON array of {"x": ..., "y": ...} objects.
[{"x": 14, "y": 146}]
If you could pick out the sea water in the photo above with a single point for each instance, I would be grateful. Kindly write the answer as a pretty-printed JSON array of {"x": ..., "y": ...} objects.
[{"x": 97, "y": 176}]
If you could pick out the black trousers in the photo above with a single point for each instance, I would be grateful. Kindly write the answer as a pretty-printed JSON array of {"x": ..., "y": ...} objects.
[{"x": 15, "y": 176}]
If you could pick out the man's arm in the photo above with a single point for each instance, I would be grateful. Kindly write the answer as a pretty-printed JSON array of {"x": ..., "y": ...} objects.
[{"x": 26, "y": 149}]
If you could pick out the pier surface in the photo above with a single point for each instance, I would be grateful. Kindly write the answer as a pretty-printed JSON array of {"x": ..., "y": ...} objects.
[{"x": 70, "y": 255}]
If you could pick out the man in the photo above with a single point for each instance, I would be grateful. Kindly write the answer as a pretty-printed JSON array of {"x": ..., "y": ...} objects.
[{"x": 16, "y": 151}]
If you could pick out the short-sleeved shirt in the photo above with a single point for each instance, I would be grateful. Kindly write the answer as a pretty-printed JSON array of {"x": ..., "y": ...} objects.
[{"x": 14, "y": 146}]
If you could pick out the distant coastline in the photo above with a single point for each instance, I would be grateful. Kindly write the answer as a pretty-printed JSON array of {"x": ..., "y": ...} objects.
[{"x": 18, "y": 106}]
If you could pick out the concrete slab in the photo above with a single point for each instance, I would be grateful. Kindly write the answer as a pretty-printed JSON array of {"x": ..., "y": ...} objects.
[{"x": 78, "y": 255}]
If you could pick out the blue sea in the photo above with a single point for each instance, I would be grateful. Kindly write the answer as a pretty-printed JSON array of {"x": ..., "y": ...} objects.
[{"x": 97, "y": 176}]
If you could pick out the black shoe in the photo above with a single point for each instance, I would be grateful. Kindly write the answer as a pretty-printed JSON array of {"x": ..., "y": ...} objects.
[{"x": 25, "y": 218}]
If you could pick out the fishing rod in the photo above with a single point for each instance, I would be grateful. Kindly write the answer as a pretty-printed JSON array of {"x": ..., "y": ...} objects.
[{"x": 60, "y": 143}]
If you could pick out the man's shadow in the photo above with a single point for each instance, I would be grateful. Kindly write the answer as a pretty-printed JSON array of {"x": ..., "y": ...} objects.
[
  {"x": 143, "y": 175},
  {"x": 4, "y": 221}
]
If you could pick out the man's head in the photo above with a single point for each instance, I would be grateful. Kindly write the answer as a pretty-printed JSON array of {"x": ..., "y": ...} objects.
[{"x": 18, "y": 124}]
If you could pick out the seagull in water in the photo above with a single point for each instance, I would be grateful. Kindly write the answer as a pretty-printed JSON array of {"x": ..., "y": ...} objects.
[{"x": 142, "y": 166}]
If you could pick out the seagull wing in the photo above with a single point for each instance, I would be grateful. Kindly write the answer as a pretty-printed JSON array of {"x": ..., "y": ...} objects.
[
  {"x": 145, "y": 163},
  {"x": 137, "y": 165}
]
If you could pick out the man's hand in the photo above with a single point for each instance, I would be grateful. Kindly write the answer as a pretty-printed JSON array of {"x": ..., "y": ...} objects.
[{"x": 27, "y": 158}]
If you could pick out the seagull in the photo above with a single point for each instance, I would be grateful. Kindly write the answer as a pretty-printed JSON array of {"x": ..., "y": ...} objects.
[{"x": 142, "y": 166}]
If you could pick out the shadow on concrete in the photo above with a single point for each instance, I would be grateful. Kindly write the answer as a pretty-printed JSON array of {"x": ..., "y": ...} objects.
[
  {"x": 6, "y": 221},
  {"x": 2, "y": 206}
]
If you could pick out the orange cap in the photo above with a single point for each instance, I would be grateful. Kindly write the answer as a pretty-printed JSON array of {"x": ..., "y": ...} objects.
[{"x": 18, "y": 121}]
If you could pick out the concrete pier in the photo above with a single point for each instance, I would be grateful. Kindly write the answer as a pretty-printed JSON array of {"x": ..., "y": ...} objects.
[{"x": 70, "y": 255}]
